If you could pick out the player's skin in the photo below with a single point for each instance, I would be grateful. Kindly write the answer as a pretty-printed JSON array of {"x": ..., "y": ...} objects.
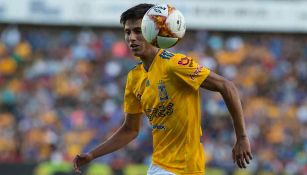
[{"x": 241, "y": 152}]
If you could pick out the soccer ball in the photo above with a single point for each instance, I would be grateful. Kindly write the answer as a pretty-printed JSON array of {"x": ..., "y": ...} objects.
[{"x": 163, "y": 26}]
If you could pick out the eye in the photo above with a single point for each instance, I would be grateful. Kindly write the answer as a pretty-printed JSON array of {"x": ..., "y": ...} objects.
[
  {"x": 127, "y": 32},
  {"x": 138, "y": 31}
]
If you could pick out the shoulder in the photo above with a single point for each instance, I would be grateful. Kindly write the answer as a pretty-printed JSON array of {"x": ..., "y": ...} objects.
[
  {"x": 174, "y": 59},
  {"x": 135, "y": 69},
  {"x": 166, "y": 55},
  {"x": 171, "y": 56}
]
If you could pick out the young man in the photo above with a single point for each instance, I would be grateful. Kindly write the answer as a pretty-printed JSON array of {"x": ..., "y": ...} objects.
[{"x": 165, "y": 86}]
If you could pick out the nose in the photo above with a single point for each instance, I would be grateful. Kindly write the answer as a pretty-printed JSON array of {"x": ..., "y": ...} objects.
[{"x": 132, "y": 36}]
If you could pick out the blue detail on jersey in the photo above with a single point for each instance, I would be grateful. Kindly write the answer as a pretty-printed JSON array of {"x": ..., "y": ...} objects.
[
  {"x": 166, "y": 54},
  {"x": 136, "y": 65},
  {"x": 147, "y": 83}
]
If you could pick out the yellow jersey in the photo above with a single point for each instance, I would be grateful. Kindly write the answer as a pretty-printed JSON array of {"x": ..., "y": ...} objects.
[{"x": 168, "y": 93}]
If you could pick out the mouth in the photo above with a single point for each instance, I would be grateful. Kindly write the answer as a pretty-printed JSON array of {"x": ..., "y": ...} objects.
[{"x": 134, "y": 47}]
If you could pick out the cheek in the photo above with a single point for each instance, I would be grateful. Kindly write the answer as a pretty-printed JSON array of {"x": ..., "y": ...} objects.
[
  {"x": 126, "y": 38},
  {"x": 143, "y": 41},
  {"x": 140, "y": 37}
]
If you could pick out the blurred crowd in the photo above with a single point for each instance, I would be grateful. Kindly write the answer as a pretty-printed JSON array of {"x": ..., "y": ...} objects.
[{"x": 61, "y": 93}]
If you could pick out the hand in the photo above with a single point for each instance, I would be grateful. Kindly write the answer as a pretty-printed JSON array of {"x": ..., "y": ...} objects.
[
  {"x": 81, "y": 160},
  {"x": 241, "y": 152}
]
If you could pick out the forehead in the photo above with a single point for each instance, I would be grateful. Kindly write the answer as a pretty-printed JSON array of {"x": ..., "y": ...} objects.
[{"x": 131, "y": 24}]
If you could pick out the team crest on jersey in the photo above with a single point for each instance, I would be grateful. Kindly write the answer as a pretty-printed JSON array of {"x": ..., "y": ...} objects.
[
  {"x": 166, "y": 54},
  {"x": 162, "y": 91}
]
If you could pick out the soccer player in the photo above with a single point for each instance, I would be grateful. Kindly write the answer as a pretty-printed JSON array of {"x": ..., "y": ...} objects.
[{"x": 165, "y": 86}]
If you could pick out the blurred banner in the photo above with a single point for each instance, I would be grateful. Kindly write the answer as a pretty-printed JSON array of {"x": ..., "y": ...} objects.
[{"x": 234, "y": 15}]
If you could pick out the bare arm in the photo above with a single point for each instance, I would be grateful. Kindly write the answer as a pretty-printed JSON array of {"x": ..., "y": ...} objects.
[
  {"x": 125, "y": 134},
  {"x": 231, "y": 97}
]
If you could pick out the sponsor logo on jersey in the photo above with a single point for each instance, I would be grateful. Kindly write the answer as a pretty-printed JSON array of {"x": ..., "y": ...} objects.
[
  {"x": 184, "y": 61},
  {"x": 160, "y": 111},
  {"x": 158, "y": 127},
  {"x": 162, "y": 91},
  {"x": 196, "y": 72}
]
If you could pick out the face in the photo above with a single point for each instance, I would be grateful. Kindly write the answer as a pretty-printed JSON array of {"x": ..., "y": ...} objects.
[{"x": 135, "y": 39}]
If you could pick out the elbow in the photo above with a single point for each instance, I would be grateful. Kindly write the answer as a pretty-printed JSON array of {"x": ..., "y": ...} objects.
[
  {"x": 135, "y": 135},
  {"x": 230, "y": 84},
  {"x": 132, "y": 132},
  {"x": 228, "y": 87}
]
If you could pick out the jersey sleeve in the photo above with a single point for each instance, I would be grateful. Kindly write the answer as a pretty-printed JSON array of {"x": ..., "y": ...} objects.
[
  {"x": 188, "y": 71},
  {"x": 131, "y": 104}
]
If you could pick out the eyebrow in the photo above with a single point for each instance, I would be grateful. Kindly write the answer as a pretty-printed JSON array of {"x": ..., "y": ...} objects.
[{"x": 135, "y": 28}]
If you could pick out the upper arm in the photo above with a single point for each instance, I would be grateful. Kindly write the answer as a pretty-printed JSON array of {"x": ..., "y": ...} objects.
[
  {"x": 132, "y": 122},
  {"x": 215, "y": 82}
]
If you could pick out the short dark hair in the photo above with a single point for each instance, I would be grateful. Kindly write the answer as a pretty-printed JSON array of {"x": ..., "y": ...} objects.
[{"x": 135, "y": 13}]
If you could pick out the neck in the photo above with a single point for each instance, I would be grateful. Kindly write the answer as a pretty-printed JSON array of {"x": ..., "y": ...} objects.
[{"x": 149, "y": 57}]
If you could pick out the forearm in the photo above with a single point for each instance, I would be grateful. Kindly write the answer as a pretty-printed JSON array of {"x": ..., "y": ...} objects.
[
  {"x": 232, "y": 100},
  {"x": 119, "y": 139}
]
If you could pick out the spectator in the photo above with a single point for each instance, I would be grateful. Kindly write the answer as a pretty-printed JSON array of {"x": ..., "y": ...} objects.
[{"x": 62, "y": 91}]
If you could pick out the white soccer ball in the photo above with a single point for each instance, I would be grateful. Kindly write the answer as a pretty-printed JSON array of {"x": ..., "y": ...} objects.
[{"x": 163, "y": 26}]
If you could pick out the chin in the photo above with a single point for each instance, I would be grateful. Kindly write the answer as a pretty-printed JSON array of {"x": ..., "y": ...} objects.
[{"x": 137, "y": 53}]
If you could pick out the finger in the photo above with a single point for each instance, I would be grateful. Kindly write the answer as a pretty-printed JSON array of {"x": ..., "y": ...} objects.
[
  {"x": 77, "y": 159},
  {"x": 240, "y": 161},
  {"x": 75, "y": 163},
  {"x": 246, "y": 158},
  {"x": 237, "y": 159},
  {"x": 76, "y": 166},
  {"x": 78, "y": 171},
  {"x": 243, "y": 163},
  {"x": 250, "y": 155}
]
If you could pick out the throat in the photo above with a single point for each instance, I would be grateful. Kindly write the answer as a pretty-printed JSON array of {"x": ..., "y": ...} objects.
[
  {"x": 148, "y": 60},
  {"x": 147, "y": 65}
]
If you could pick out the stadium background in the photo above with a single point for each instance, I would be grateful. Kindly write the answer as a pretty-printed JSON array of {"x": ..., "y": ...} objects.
[{"x": 63, "y": 67}]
